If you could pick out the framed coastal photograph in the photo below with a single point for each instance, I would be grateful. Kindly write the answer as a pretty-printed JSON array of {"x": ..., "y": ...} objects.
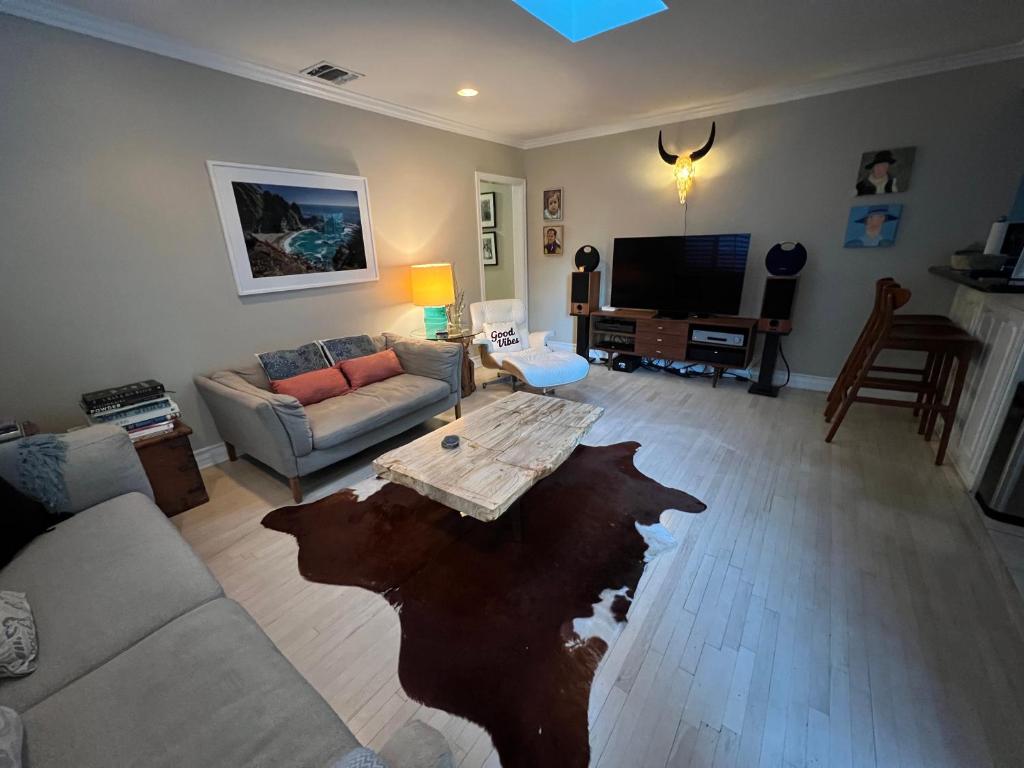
[
  {"x": 489, "y": 249},
  {"x": 885, "y": 171},
  {"x": 488, "y": 210},
  {"x": 553, "y": 240},
  {"x": 553, "y": 204},
  {"x": 287, "y": 230},
  {"x": 872, "y": 226}
]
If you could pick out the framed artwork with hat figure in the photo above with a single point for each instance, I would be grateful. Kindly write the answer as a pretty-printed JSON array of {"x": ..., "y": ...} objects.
[
  {"x": 885, "y": 171},
  {"x": 872, "y": 226}
]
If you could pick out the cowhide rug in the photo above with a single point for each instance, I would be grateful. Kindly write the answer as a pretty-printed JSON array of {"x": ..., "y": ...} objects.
[{"x": 489, "y": 624}]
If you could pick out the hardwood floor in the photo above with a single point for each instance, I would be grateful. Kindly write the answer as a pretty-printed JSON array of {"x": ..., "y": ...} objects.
[{"x": 836, "y": 605}]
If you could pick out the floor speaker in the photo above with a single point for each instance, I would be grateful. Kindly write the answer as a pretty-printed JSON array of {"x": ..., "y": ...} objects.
[
  {"x": 584, "y": 293},
  {"x": 777, "y": 305}
]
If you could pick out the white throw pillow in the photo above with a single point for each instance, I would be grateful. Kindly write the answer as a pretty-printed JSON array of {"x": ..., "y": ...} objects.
[{"x": 504, "y": 337}]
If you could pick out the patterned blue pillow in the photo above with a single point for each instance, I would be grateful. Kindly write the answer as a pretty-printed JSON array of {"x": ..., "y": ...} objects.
[
  {"x": 285, "y": 363},
  {"x": 347, "y": 347}
]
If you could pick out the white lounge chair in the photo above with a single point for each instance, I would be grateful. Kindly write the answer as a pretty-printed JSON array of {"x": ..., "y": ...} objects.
[{"x": 535, "y": 364}]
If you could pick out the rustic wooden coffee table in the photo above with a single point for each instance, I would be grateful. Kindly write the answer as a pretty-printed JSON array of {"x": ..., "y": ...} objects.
[{"x": 504, "y": 449}]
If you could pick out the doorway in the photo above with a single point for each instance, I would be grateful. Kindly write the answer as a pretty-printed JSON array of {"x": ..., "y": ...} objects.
[{"x": 501, "y": 216}]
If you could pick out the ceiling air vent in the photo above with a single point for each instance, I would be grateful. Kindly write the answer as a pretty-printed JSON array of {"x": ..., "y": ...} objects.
[{"x": 332, "y": 74}]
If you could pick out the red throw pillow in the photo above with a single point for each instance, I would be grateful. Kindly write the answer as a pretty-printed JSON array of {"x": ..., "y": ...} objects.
[
  {"x": 367, "y": 369},
  {"x": 313, "y": 386}
]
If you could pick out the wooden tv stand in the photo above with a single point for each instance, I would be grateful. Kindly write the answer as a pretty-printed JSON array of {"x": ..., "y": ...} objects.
[{"x": 644, "y": 334}]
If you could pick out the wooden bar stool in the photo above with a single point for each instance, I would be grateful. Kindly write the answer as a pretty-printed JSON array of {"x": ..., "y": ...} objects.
[
  {"x": 845, "y": 377},
  {"x": 946, "y": 346}
]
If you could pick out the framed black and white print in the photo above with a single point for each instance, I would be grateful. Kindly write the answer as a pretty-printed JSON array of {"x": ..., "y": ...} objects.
[
  {"x": 488, "y": 210},
  {"x": 489, "y": 249}
]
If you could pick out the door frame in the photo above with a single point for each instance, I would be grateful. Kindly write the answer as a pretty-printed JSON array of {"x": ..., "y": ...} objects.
[{"x": 519, "y": 250}]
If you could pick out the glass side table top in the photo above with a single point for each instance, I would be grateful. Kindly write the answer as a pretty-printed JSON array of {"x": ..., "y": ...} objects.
[{"x": 453, "y": 334}]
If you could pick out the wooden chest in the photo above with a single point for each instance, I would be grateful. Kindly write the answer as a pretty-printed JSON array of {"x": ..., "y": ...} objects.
[{"x": 172, "y": 470}]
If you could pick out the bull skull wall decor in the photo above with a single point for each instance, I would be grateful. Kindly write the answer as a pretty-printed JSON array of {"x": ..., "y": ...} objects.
[{"x": 684, "y": 169}]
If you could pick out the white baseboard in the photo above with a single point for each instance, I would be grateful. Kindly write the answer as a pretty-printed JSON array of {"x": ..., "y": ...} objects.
[
  {"x": 210, "y": 455},
  {"x": 800, "y": 380}
]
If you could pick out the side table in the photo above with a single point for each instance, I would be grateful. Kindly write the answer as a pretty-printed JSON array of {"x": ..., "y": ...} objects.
[
  {"x": 172, "y": 470},
  {"x": 463, "y": 336}
]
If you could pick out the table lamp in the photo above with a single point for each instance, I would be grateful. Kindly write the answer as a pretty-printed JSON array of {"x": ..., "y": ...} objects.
[{"x": 433, "y": 287}]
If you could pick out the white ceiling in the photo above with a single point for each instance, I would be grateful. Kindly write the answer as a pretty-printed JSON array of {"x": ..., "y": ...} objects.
[{"x": 535, "y": 85}]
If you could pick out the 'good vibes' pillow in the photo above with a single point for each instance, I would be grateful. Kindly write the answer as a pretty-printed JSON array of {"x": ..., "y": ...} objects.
[{"x": 504, "y": 337}]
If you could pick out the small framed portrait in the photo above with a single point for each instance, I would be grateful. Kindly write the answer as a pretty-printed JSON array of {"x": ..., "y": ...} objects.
[
  {"x": 872, "y": 226},
  {"x": 553, "y": 240},
  {"x": 553, "y": 203},
  {"x": 885, "y": 171},
  {"x": 489, "y": 249},
  {"x": 488, "y": 210}
]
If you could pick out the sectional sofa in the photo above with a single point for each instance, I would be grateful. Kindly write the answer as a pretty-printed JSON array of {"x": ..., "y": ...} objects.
[{"x": 142, "y": 659}]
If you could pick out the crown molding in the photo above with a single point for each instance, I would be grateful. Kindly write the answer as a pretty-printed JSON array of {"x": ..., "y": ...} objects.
[
  {"x": 57, "y": 15},
  {"x": 768, "y": 96}
]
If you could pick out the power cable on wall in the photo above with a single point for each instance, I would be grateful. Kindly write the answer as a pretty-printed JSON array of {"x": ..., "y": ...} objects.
[{"x": 782, "y": 354}]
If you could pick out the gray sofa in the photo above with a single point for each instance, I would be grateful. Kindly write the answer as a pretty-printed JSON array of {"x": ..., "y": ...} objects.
[
  {"x": 296, "y": 440},
  {"x": 142, "y": 659}
]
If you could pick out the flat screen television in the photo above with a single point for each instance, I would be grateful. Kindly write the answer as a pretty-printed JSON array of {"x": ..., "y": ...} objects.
[{"x": 680, "y": 275}]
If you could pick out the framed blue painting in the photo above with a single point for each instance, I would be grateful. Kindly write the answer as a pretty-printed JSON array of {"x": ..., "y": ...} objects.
[{"x": 872, "y": 226}]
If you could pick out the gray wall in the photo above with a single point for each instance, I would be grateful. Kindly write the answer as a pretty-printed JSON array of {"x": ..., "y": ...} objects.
[
  {"x": 786, "y": 172},
  {"x": 114, "y": 266},
  {"x": 113, "y": 260},
  {"x": 500, "y": 280}
]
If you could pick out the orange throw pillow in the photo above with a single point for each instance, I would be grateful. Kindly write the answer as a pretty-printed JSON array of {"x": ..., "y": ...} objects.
[
  {"x": 367, "y": 369},
  {"x": 313, "y": 386}
]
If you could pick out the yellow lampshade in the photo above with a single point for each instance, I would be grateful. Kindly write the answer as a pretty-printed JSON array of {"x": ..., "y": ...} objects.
[{"x": 432, "y": 285}]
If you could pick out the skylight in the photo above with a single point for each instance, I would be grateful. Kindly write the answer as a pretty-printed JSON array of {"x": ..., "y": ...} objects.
[{"x": 579, "y": 19}]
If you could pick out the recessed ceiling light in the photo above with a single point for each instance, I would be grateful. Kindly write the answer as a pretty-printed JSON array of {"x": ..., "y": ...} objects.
[{"x": 468, "y": 92}]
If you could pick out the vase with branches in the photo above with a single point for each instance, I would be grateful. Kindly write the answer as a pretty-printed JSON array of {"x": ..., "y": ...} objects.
[{"x": 455, "y": 310}]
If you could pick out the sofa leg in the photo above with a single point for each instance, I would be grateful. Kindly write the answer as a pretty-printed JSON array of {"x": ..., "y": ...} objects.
[
  {"x": 232, "y": 456},
  {"x": 458, "y": 410},
  {"x": 293, "y": 483}
]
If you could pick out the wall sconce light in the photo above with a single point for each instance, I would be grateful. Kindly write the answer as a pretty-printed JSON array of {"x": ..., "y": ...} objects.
[{"x": 685, "y": 166}]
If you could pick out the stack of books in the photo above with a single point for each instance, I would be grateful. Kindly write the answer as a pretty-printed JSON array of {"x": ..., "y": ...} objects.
[{"x": 142, "y": 408}]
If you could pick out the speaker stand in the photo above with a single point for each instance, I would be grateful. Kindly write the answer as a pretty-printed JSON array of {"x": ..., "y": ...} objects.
[
  {"x": 763, "y": 385},
  {"x": 583, "y": 337}
]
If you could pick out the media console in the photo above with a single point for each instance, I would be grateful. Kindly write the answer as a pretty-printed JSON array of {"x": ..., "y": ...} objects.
[{"x": 721, "y": 342}]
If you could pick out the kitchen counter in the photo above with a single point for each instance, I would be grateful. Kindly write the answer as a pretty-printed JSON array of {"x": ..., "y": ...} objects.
[
  {"x": 996, "y": 319},
  {"x": 984, "y": 284}
]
